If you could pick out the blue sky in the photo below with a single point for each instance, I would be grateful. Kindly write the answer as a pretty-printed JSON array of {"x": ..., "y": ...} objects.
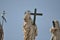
[{"x": 15, "y": 9}]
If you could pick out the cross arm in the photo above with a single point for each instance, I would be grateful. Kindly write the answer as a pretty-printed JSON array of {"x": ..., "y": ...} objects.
[{"x": 37, "y": 14}]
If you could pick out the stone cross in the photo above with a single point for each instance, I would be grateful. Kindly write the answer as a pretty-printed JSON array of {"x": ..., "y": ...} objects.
[{"x": 35, "y": 15}]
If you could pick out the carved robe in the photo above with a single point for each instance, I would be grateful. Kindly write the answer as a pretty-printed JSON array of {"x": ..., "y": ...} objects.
[
  {"x": 30, "y": 31},
  {"x": 1, "y": 32},
  {"x": 55, "y": 31}
]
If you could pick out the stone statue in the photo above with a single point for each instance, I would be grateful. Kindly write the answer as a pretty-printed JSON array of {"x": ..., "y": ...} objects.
[
  {"x": 2, "y": 19},
  {"x": 30, "y": 30},
  {"x": 55, "y": 30}
]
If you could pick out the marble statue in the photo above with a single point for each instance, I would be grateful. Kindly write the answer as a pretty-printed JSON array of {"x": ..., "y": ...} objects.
[
  {"x": 55, "y": 30},
  {"x": 30, "y": 30}
]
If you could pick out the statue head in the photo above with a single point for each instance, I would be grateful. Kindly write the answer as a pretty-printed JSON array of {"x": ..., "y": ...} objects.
[
  {"x": 27, "y": 16},
  {"x": 55, "y": 23}
]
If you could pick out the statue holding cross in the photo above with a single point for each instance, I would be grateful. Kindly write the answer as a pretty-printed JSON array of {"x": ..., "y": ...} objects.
[
  {"x": 55, "y": 30},
  {"x": 30, "y": 27}
]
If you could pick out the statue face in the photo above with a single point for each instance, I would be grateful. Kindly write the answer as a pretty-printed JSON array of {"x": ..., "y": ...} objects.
[{"x": 27, "y": 17}]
